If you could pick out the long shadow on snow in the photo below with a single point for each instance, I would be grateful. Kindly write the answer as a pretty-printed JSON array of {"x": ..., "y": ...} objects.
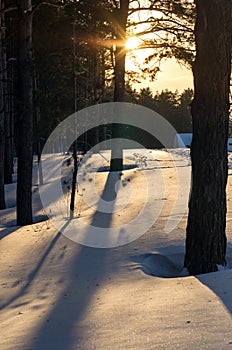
[
  {"x": 171, "y": 266},
  {"x": 7, "y": 231},
  {"x": 88, "y": 271},
  {"x": 33, "y": 274}
]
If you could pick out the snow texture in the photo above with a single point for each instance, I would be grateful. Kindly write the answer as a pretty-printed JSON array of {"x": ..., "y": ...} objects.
[{"x": 57, "y": 294}]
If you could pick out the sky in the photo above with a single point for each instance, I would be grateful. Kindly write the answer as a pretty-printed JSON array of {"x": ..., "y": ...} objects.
[{"x": 172, "y": 75}]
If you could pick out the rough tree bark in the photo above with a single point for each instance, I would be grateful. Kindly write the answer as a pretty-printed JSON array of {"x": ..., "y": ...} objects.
[
  {"x": 25, "y": 114},
  {"x": 206, "y": 238},
  {"x": 8, "y": 159},
  {"x": 116, "y": 163},
  {"x": 2, "y": 115}
]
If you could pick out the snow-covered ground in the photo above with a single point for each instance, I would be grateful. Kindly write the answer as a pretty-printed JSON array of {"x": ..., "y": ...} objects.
[{"x": 58, "y": 294}]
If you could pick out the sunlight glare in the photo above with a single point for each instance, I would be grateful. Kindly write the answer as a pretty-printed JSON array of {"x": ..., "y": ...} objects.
[{"x": 132, "y": 43}]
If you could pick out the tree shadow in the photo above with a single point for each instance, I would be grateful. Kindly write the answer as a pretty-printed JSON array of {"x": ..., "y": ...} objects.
[
  {"x": 166, "y": 265},
  {"x": 89, "y": 269},
  {"x": 7, "y": 231},
  {"x": 221, "y": 284},
  {"x": 125, "y": 167},
  {"x": 31, "y": 277}
]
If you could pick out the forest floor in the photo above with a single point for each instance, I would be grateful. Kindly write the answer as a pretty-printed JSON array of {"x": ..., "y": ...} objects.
[{"x": 59, "y": 294}]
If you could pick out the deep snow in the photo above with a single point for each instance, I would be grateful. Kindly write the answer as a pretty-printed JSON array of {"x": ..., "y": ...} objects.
[{"x": 57, "y": 294}]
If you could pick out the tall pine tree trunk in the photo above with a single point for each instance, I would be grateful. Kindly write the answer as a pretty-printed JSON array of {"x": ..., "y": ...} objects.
[
  {"x": 2, "y": 113},
  {"x": 8, "y": 159},
  {"x": 206, "y": 238},
  {"x": 25, "y": 114},
  {"x": 119, "y": 80}
]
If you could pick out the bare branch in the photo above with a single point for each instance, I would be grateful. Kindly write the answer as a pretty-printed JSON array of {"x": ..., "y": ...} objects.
[
  {"x": 8, "y": 9},
  {"x": 51, "y": 4},
  {"x": 156, "y": 21},
  {"x": 151, "y": 9}
]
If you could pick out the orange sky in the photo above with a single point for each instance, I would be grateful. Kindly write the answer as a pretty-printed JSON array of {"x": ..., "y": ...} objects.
[{"x": 171, "y": 76}]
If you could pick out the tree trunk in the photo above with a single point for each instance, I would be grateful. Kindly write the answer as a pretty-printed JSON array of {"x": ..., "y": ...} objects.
[
  {"x": 206, "y": 238},
  {"x": 38, "y": 146},
  {"x": 25, "y": 114},
  {"x": 2, "y": 148},
  {"x": 2, "y": 143},
  {"x": 119, "y": 80},
  {"x": 74, "y": 181},
  {"x": 2, "y": 115},
  {"x": 8, "y": 161},
  {"x": 8, "y": 167},
  {"x": 74, "y": 153}
]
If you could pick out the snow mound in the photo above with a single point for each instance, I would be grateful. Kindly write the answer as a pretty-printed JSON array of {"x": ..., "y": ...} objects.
[
  {"x": 170, "y": 266},
  {"x": 159, "y": 265}
]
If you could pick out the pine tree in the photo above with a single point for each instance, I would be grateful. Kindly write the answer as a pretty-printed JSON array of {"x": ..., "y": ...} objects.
[
  {"x": 2, "y": 109},
  {"x": 206, "y": 238},
  {"x": 25, "y": 113}
]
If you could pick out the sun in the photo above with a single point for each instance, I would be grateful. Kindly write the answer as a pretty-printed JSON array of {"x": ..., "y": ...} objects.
[{"x": 132, "y": 43}]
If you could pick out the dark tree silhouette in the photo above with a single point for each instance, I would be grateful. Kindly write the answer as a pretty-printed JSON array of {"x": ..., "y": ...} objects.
[
  {"x": 121, "y": 16},
  {"x": 206, "y": 238},
  {"x": 25, "y": 113},
  {"x": 2, "y": 110}
]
